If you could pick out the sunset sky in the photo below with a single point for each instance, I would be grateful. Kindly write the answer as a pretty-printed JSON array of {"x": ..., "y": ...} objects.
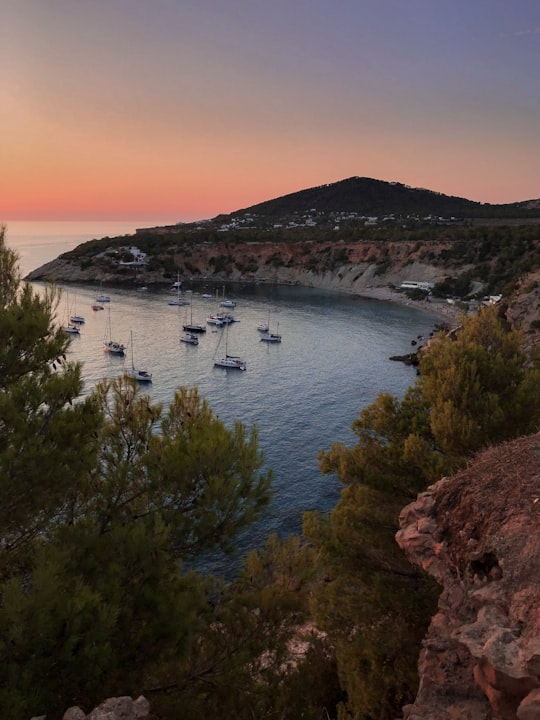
[{"x": 183, "y": 109}]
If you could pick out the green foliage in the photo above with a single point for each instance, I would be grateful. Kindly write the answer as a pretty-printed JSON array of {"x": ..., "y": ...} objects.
[
  {"x": 106, "y": 501},
  {"x": 481, "y": 386},
  {"x": 245, "y": 665},
  {"x": 475, "y": 388}
]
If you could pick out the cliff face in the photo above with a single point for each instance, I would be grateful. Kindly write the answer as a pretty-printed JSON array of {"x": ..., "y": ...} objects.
[
  {"x": 343, "y": 266},
  {"x": 477, "y": 534}
]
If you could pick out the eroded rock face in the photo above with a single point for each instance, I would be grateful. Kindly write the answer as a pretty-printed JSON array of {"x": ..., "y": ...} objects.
[{"x": 478, "y": 534}]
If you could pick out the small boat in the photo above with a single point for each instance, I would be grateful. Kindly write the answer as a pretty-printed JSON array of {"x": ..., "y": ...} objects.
[
  {"x": 263, "y": 327},
  {"x": 178, "y": 302},
  {"x": 143, "y": 288},
  {"x": 97, "y": 307},
  {"x": 232, "y": 362},
  {"x": 113, "y": 347},
  {"x": 190, "y": 339},
  {"x": 206, "y": 296},
  {"x": 102, "y": 298},
  {"x": 176, "y": 287},
  {"x": 228, "y": 318},
  {"x": 76, "y": 319},
  {"x": 228, "y": 303},
  {"x": 139, "y": 375},
  {"x": 271, "y": 337},
  {"x": 72, "y": 329},
  {"x": 110, "y": 345},
  {"x": 192, "y": 327},
  {"x": 215, "y": 320}
]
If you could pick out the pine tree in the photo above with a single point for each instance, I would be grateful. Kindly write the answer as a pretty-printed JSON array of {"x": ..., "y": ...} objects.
[{"x": 108, "y": 503}]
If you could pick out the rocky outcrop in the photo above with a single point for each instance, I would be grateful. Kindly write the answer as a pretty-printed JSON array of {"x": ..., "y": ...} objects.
[
  {"x": 118, "y": 708},
  {"x": 524, "y": 306},
  {"x": 477, "y": 533}
]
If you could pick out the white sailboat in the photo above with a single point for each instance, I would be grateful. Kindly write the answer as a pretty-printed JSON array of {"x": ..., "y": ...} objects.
[
  {"x": 71, "y": 327},
  {"x": 266, "y": 335},
  {"x": 76, "y": 319},
  {"x": 233, "y": 362},
  {"x": 271, "y": 337},
  {"x": 140, "y": 375},
  {"x": 102, "y": 298},
  {"x": 110, "y": 345}
]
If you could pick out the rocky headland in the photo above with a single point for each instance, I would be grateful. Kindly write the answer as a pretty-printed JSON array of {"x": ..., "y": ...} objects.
[{"x": 476, "y": 533}]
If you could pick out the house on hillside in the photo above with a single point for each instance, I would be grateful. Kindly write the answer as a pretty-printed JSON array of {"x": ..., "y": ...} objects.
[{"x": 139, "y": 258}]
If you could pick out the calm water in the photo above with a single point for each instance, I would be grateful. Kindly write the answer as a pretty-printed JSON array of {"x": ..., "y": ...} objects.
[{"x": 303, "y": 394}]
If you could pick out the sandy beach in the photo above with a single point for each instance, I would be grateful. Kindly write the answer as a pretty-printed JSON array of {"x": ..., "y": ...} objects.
[{"x": 435, "y": 306}]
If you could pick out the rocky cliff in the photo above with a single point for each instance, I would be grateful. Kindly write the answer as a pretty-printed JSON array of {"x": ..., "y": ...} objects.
[
  {"x": 477, "y": 533},
  {"x": 347, "y": 267}
]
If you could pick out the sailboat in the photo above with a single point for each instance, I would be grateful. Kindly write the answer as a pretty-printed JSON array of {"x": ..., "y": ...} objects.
[
  {"x": 140, "y": 375},
  {"x": 266, "y": 335},
  {"x": 71, "y": 327},
  {"x": 192, "y": 327},
  {"x": 230, "y": 361},
  {"x": 102, "y": 298},
  {"x": 271, "y": 337},
  {"x": 76, "y": 319},
  {"x": 189, "y": 338},
  {"x": 110, "y": 345},
  {"x": 177, "y": 286}
]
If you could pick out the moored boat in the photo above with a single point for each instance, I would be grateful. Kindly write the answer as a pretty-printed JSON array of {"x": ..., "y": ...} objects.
[
  {"x": 233, "y": 362},
  {"x": 109, "y": 345},
  {"x": 271, "y": 337},
  {"x": 189, "y": 338},
  {"x": 139, "y": 375}
]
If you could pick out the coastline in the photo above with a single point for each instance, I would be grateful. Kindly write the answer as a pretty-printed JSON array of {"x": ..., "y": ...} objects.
[{"x": 441, "y": 308}]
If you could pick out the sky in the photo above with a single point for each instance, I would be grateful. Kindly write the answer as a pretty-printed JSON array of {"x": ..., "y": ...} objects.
[{"x": 185, "y": 109}]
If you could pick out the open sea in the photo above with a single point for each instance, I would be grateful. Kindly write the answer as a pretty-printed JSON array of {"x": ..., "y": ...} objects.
[{"x": 302, "y": 394}]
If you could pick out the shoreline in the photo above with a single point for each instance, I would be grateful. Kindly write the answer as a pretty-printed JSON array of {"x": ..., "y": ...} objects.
[{"x": 441, "y": 308}]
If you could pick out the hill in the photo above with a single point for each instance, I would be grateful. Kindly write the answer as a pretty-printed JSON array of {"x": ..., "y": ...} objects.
[{"x": 368, "y": 197}]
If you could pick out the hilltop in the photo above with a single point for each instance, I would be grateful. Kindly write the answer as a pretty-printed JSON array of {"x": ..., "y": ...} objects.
[
  {"x": 368, "y": 197},
  {"x": 358, "y": 200}
]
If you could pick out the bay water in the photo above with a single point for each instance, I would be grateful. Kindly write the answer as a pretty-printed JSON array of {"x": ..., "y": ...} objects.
[{"x": 302, "y": 394}]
